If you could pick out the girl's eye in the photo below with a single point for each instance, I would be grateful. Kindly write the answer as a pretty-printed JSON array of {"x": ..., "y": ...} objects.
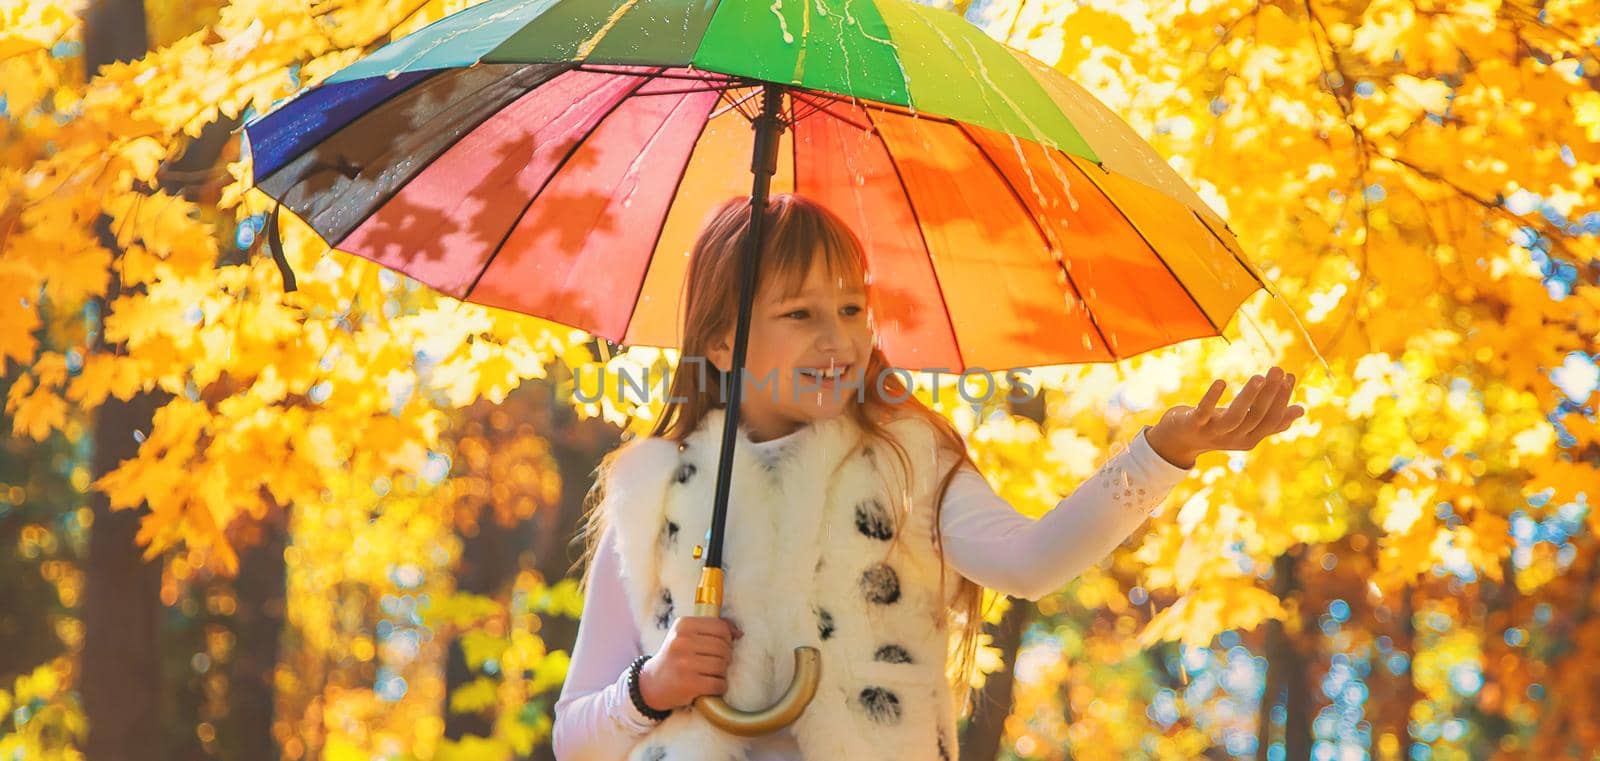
[
  {"x": 852, "y": 309},
  {"x": 800, "y": 312}
]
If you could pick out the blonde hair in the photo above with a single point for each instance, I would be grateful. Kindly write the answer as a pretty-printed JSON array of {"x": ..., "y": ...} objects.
[{"x": 795, "y": 231}]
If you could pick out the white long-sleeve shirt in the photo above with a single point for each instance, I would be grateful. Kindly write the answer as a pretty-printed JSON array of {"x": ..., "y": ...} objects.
[{"x": 985, "y": 539}]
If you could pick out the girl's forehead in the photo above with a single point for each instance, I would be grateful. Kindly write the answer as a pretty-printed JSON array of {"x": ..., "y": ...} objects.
[{"x": 817, "y": 281}]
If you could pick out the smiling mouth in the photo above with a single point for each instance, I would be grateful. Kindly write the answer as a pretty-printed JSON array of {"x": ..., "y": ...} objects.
[{"x": 823, "y": 374}]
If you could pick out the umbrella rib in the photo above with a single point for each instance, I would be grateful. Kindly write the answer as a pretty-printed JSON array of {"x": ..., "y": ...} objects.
[
  {"x": 732, "y": 104},
  {"x": 1153, "y": 251},
  {"x": 687, "y": 90},
  {"x": 660, "y": 229},
  {"x": 865, "y": 103},
  {"x": 917, "y": 220},
  {"x": 812, "y": 107},
  {"x": 573, "y": 149},
  {"x": 1247, "y": 268},
  {"x": 824, "y": 109},
  {"x": 1044, "y": 236},
  {"x": 661, "y": 73},
  {"x": 795, "y": 114},
  {"x": 749, "y": 113}
]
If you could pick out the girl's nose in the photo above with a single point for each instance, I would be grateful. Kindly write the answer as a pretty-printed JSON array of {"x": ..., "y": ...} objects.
[{"x": 830, "y": 335}]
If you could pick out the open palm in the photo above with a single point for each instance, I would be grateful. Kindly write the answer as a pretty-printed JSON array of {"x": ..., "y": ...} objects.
[{"x": 1261, "y": 409}]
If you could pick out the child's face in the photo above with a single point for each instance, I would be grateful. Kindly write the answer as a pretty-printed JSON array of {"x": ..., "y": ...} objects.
[{"x": 795, "y": 343}]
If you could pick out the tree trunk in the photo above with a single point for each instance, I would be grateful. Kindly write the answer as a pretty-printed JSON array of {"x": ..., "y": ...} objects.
[
  {"x": 1068, "y": 718},
  {"x": 1486, "y": 711},
  {"x": 113, "y": 31},
  {"x": 1406, "y": 694},
  {"x": 261, "y": 590},
  {"x": 1272, "y": 644},
  {"x": 1297, "y": 705},
  {"x": 1287, "y": 669},
  {"x": 1297, "y": 681},
  {"x": 984, "y": 733},
  {"x": 121, "y": 680}
]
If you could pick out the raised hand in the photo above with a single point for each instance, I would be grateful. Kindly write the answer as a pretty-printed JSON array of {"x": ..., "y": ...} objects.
[{"x": 1261, "y": 409}]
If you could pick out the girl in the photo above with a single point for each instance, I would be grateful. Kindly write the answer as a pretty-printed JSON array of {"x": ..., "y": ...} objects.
[{"x": 857, "y": 524}]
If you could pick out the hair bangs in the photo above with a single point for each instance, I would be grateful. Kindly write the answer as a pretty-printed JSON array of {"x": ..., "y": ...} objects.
[{"x": 798, "y": 241}]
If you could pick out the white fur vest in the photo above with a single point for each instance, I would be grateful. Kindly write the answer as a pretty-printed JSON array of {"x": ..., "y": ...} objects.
[{"x": 817, "y": 553}]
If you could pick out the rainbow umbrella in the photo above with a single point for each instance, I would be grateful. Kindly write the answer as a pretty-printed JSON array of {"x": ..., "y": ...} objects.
[{"x": 557, "y": 158}]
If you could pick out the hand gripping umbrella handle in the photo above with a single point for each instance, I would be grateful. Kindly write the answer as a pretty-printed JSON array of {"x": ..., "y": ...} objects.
[{"x": 807, "y": 673}]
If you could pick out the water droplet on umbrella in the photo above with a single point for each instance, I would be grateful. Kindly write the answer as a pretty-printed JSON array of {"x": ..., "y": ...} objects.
[{"x": 783, "y": 23}]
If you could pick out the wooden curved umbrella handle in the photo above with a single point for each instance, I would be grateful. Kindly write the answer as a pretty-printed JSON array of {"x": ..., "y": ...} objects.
[{"x": 722, "y": 715}]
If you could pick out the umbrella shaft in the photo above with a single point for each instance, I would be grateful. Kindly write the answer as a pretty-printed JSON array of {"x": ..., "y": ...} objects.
[{"x": 763, "y": 163}]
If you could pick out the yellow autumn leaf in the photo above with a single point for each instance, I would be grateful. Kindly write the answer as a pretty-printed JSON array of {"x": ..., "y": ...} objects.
[
  {"x": 143, "y": 156},
  {"x": 1586, "y": 113},
  {"x": 474, "y": 696},
  {"x": 1429, "y": 95},
  {"x": 50, "y": 369},
  {"x": 37, "y": 414},
  {"x": 104, "y": 375},
  {"x": 81, "y": 271},
  {"x": 29, "y": 26},
  {"x": 479, "y": 646},
  {"x": 18, "y": 317},
  {"x": 1196, "y": 617}
]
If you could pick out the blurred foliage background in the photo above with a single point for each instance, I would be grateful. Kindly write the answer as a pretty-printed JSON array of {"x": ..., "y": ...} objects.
[{"x": 242, "y": 524}]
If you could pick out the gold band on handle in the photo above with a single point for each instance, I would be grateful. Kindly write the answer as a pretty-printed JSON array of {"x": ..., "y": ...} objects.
[
  {"x": 807, "y": 675},
  {"x": 710, "y": 591}
]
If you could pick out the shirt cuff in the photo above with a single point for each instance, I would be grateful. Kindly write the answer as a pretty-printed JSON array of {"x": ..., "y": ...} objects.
[
  {"x": 1151, "y": 464},
  {"x": 622, "y": 707}
]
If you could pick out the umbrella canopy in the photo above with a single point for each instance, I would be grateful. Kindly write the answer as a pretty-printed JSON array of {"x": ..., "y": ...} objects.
[{"x": 557, "y": 159}]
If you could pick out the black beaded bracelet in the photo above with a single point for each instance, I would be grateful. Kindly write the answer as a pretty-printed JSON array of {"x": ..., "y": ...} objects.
[{"x": 637, "y": 695}]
